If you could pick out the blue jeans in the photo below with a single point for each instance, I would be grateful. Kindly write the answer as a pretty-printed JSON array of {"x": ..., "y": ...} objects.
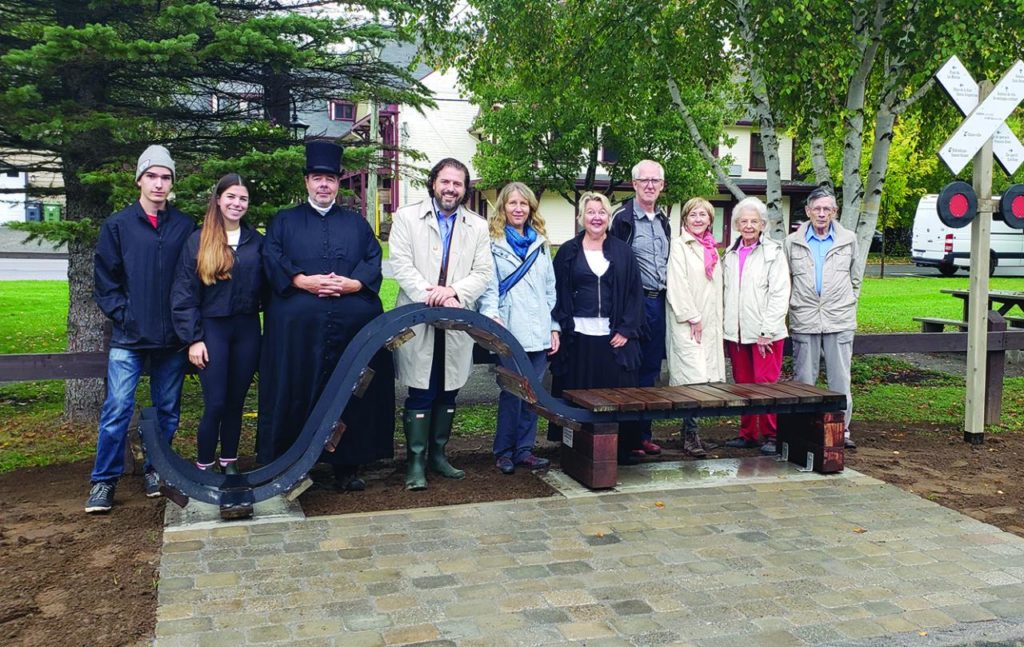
[
  {"x": 652, "y": 350},
  {"x": 517, "y": 424},
  {"x": 124, "y": 367}
]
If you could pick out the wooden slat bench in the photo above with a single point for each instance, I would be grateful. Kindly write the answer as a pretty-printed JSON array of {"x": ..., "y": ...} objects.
[
  {"x": 810, "y": 431},
  {"x": 936, "y": 324}
]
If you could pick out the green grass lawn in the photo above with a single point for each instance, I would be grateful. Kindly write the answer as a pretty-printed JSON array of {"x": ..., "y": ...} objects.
[{"x": 33, "y": 319}]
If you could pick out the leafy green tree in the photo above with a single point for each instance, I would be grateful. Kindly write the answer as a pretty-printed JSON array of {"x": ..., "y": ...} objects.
[
  {"x": 567, "y": 102},
  {"x": 85, "y": 85}
]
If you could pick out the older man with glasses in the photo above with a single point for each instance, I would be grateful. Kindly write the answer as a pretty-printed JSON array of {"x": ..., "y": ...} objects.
[
  {"x": 826, "y": 276},
  {"x": 645, "y": 227}
]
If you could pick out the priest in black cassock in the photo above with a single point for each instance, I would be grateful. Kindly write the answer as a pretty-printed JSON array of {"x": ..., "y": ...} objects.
[{"x": 323, "y": 263}]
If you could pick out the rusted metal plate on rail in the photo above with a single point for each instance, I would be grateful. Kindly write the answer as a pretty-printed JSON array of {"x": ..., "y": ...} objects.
[{"x": 516, "y": 384}]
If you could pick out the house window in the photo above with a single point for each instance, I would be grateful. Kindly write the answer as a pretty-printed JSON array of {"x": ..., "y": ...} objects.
[
  {"x": 342, "y": 111},
  {"x": 611, "y": 149},
  {"x": 756, "y": 153}
]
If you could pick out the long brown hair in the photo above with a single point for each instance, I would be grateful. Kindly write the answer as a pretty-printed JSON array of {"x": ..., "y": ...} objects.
[
  {"x": 500, "y": 217},
  {"x": 215, "y": 258}
]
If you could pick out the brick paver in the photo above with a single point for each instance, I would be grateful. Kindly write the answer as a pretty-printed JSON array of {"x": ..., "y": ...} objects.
[{"x": 829, "y": 560}]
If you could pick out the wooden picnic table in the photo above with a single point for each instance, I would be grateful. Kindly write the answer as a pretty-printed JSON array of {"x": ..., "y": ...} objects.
[{"x": 1002, "y": 301}]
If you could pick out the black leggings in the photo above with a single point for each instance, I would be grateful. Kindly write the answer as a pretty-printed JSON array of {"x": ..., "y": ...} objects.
[{"x": 233, "y": 346}]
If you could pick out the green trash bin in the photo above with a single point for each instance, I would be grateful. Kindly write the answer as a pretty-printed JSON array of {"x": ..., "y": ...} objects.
[{"x": 51, "y": 212}]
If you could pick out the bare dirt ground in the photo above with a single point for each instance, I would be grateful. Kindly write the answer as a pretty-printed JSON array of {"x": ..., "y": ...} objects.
[{"x": 72, "y": 579}]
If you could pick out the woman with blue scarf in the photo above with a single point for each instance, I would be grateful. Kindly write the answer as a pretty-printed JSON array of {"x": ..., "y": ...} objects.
[{"x": 520, "y": 297}]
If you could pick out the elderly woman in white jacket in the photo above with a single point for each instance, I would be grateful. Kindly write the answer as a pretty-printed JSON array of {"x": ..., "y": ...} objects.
[
  {"x": 521, "y": 300},
  {"x": 756, "y": 303},
  {"x": 694, "y": 309}
]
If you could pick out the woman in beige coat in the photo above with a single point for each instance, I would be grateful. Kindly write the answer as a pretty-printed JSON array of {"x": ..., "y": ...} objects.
[
  {"x": 757, "y": 288},
  {"x": 694, "y": 309}
]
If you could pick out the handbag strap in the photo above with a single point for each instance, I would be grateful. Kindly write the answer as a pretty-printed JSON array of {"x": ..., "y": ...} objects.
[{"x": 509, "y": 281}]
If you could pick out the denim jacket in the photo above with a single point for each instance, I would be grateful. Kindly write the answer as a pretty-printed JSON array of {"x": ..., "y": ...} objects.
[{"x": 525, "y": 310}]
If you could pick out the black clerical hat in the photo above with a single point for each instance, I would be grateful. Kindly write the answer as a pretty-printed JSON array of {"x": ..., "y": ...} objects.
[{"x": 324, "y": 157}]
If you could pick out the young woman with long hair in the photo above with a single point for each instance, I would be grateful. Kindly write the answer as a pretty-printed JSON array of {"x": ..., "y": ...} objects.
[{"x": 215, "y": 302}]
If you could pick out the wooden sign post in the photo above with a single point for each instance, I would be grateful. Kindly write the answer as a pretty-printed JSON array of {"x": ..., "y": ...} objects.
[{"x": 973, "y": 141}]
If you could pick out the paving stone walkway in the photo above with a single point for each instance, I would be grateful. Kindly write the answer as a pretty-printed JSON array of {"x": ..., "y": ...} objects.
[{"x": 770, "y": 559}]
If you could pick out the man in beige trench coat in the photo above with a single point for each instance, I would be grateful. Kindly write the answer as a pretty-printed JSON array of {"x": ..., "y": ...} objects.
[{"x": 441, "y": 256}]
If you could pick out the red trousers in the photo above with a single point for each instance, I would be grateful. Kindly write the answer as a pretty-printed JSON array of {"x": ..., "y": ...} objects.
[{"x": 748, "y": 366}]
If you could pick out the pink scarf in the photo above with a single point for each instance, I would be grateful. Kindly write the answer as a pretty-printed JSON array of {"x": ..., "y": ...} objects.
[{"x": 710, "y": 251}]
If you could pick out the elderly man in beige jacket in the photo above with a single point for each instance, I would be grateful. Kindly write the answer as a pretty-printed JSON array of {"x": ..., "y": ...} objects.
[
  {"x": 441, "y": 256},
  {"x": 827, "y": 275}
]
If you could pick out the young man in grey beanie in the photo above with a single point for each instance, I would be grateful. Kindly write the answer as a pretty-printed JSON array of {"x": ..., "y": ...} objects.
[{"x": 136, "y": 255}]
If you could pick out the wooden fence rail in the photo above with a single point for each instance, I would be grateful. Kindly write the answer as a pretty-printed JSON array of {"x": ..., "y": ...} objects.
[{"x": 66, "y": 366}]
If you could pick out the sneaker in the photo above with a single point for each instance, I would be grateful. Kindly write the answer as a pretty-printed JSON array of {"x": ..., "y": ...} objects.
[
  {"x": 101, "y": 498},
  {"x": 769, "y": 448},
  {"x": 152, "y": 483},
  {"x": 505, "y": 465},
  {"x": 849, "y": 444},
  {"x": 534, "y": 462},
  {"x": 650, "y": 447},
  {"x": 741, "y": 443}
]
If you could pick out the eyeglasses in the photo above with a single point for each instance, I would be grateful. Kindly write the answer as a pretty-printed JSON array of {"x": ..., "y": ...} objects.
[
  {"x": 649, "y": 181},
  {"x": 821, "y": 209}
]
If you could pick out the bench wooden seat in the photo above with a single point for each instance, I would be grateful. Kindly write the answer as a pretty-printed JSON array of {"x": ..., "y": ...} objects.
[
  {"x": 936, "y": 324},
  {"x": 810, "y": 431}
]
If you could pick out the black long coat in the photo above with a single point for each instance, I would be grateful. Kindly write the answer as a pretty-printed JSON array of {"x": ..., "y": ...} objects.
[{"x": 305, "y": 335}]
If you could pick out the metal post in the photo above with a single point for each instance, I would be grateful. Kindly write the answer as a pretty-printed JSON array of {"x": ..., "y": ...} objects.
[{"x": 977, "y": 328}]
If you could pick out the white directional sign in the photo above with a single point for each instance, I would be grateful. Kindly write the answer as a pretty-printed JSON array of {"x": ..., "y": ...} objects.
[
  {"x": 982, "y": 123},
  {"x": 957, "y": 81}
]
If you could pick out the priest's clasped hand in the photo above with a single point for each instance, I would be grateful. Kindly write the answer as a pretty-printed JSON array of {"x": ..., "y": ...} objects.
[{"x": 326, "y": 285}]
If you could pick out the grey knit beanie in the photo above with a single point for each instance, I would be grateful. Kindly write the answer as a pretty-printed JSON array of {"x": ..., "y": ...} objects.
[{"x": 155, "y": 155}]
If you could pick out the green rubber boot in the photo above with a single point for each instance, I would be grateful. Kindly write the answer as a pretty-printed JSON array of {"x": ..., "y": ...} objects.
[
  {"x": 417, "y": 429},
  {"x": 440, "y": 432}
]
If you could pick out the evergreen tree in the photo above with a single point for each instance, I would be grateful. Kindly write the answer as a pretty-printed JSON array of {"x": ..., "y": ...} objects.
[{"x": 86, "y": 85}]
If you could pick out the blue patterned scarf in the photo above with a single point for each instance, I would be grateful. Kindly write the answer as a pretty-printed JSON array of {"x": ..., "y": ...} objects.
[{"x": 520, "y": 244}]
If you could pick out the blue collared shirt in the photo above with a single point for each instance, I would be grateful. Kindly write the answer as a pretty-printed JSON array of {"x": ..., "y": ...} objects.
[
  {"x": 445, "y": 224},
  {"x": 819, "y": 250}
]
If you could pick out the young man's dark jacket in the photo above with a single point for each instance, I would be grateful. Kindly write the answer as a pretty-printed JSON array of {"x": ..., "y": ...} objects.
[
  {"x": 622, "y": 222},
  {"x": 242, "y": 294},
  {"x": 134, "y": 268}
]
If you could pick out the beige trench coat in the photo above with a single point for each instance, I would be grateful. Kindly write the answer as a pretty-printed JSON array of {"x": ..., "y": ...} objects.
[
  {"x": 415, "y": 244},
  {"x": 757, "y": 305},
  {"x": 691, "y": 295}
]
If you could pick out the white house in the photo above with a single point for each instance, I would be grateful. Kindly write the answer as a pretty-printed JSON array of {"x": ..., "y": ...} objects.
[
  {"x": 12, "y": 204},
  {"x": 447, "y": 131}
]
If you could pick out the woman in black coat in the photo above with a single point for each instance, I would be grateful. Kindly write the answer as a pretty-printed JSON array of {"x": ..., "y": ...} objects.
[
  {"x": 599, "y": 306},
  {"x": 215, "y": 304}
]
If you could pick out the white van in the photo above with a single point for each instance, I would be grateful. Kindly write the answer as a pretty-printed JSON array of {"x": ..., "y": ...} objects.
[{"x": 936, "y": 245}]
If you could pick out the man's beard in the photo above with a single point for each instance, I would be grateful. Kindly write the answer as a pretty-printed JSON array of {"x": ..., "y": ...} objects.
[{"x": 448, "y": 202}]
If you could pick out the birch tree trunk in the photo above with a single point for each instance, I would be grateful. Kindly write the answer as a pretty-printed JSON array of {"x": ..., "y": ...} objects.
[
  {"x": 702, "y": 146},
  {"x": 867, "y": 28},
  {"x": 762, "y": 112}
]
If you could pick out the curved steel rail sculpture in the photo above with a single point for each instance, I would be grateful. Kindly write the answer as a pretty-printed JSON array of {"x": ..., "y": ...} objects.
[{"x": 183, "y": 480}]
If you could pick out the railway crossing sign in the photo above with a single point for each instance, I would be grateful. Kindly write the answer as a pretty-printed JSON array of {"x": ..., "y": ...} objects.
[
  {"x": 982, "y": 137},
  {"x": 985, "y": 119},
  {"x": 963, "y": 90}
]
